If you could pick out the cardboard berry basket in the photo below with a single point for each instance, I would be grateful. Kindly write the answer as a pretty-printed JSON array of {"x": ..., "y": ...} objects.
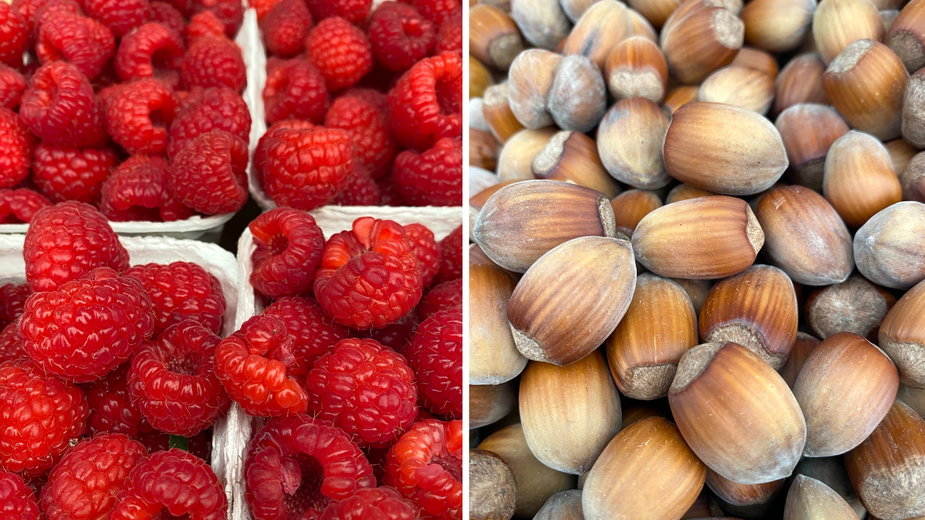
[
  {"x": 147, "y": 249},
  {"x": 331, "y": 220}
]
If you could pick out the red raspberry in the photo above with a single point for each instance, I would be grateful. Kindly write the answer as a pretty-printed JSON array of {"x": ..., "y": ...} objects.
[
  {"x": 358, "y": 112},
  {"x": 287, "y": 254},
  {"x": 209, "y": 175},
  {"x": 437, "y": 10},
  {"x": 314, "y": 332},
  {"x": 138, "y": 114},
  {"x": 121, "y": 16},
  {"x": 354, "y": 11},
  {"x": 230, "y": 12},
  {"x": 199, "y": 445},
  {"x": 83, "y": 41},
  {"x": 12, "y": 300},
  {"x": 262, "y": 7},
  {"x": 381, "y": 502},
  {"x": 182, "y": 291},
  {"x": 389, "y": 192},
  {"x": 60, "y": 108},
  {"x": 204, "y": 24},
  {"x": 51, "y": 8},
  {"x": 435, "y": 354},
  {"x": 425, "y": 250},
  {"x": 305, "y": 169},
  {"x": 426, "y": 102},
  {"x": 340, "y": 51},
  {"x": 12, "y": 86},
  {"x": 18, "y": 206},
  {"x": 139, "y": 190},
  {"x": 451, "y": 249},
  {"x": 425, "y": 465},
  {"x": 175, "y": 482},
  {"x": 209, "y": 109},
  {"x": 295, "y": 90},
  {"x": 369, "y": 276},
  {"x": 68, "y": 340},
  {"x": 17, "y": 501},
  {"x": 16, "y": 143},
  {"x": 400, "y": 36},
  {"x": 252, "y": 366},
  {"x": 152, "y": 50},
  {"x": 394, "y": 336},
  {"x": 66, "y": 241},
  {"x": 213, "y": 62},
  {"x": 11, "y": 348},
  {"x": 85, "y": 483},
  {"x": 41, "y": 415},
  {"x": 172, "y": 380},
  {"x": 14, "y": 36},
  {"x": 71, "y": 174},
  {"x": 111, "y": 408},
  {"x": 433, "y": 177},
  {"x": 361, "y": 190},
  {"x": 365, "y": 389},
  {"x": 167, "y": 15},
  {"x": 184, "y": 7},
  {"x": 442, "y": 297},
  {"x": 285, "y": 28},
  {"x": 271, "y": 137},
  {"x": 450, "y": 37},
  {"x": 296, "y": 466}
]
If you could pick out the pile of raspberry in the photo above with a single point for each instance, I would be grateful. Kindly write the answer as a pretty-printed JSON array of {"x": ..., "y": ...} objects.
[
  {"x": 363, "y": 106},
  {"x": 132, "y": 106},
  {"x": 356, "y": 362}
]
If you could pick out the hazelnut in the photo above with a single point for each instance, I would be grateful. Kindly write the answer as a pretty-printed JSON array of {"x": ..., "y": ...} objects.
[
  {"x": 572, "y": 157},
  {"x": 888, "y": 248},
  {"x": 745, "y": 499},
  {"x": 777, "y": 25},
  {"x": 631, "y": 206},
  {"x": 685, "y": 191},
  {"x": 808, "y": 131},
  {"x": 493, "y": 37},
  {"x": 489, "y": 404},
  {"x": 800, "y": 350},
  {"x": 800, "y": 81},
  {"x": 858, "y": 178},
  {"x": 757, "y": 59},
  {"x": 906, "y": 36},
  {"x": 855, "y": 305},
  {"x": 602, "y": 26},
  {"x": 913, "y": 113},
  {"x": 679, "y": 96},
  {"x": 530, "y": 79},
  {"x": 479, "y": 77},
  {"x": 515, "y": 162},
  {"x": 492, "y": 489},
  {"x": 578, "y": 97},
  {"x": 493, "y": 357},
  {"x": 629, "y": 141},
  {"x": 831, "y": 472},
  {"x": 655, "y": 11},
  {"x": 496, "y": 110},
  {"x": 809, "y": 499},
  {"x": 838, "y": 23},
  {"x": 902, "y": 336},
  {"x": 542, "y": 22},
  {"x": 739, "y": 86},
  {"x": 564, "y": 505},
  {"x": 701, "y": 41},
  {"x": 636, "y": 68},
  {"x": 913, "y": 179}
]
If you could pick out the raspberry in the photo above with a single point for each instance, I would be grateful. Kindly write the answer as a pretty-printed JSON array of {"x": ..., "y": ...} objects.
[
  {"x": 85, "y": 483},
  {"x": 381, "y": 502},
  {"x": 357, "y": 113},
  {"x": 121, "y": 16},
  {"x": 389, "y": 193},
  {"x": 433, "y": 177},
  {"x": 369, "y": 276},
  {"x": 40, "y": 415},
  {"x": 14, "y": 36},
  {"x": 400, "y": 36},
  {"x": 12, "y": 86},
  {"x": 229, "y": 12},
  {"x": 361, "y": 190},
  {"x": 138, "y": 114},
  {"x": 12, "y": 300},
  {"x": 182, "y": 291},
  {"x": 425, "y": 465},
  {"x": 16, "y": 142},
  {"x": 210, "y": 109},
  {"x": 288, "y": 251},
  {"x": 354, "y": 11},
  {"x": 262, "y": 7},
  {"x": 19, "y": 206},
  {"x": 11, "y": 343},
  {"x": 111, "y": 408},
  {"x": 139, "y": 190},
  {"x": 313, "y": 332},
  {"x": 451, "y": 248},
  {"x": 442, "y": 297},
  {"x": 394, "y": 336},
  {"x": 199, "y": 445},
  {"x": 425, "y": 103},
  {"x": 213, "y": 62},
  {"x": 365, "y": 389},
  {"x": 271, "y": 137},
  {"x": 285, "y": 27},
  {"x": 83, "y": 41},
  {"x": 204, "y": 24},
  {"x": 449, "y": 36},
  {"x": 435, "y": 354},
  {"x": 17, "y": 501},
  {"x": 66, "y": 241},
  {"x": 152, "y": 50},
  {"x": 51, "y": 8},
  {"x": 340, "y": 51},
  {"x": 71, "y": 174},
  {"x": 296, "y": 466},
  {"x": 437, "y": 10},
  {"x": 252, "y": 366},
  {"x": 425, "y": 250},
  {"x": 167, "y": 15},
  {"x": 59, "y": 107},
  {"x": 306, "y": 169},
  {"x": 87, "y": 327},
  {"x": 172, "y": 380},
  {"x": 208, "y": 173},
  {"x": 175, "y": 482},
  {"x": 295, "y": 90}
]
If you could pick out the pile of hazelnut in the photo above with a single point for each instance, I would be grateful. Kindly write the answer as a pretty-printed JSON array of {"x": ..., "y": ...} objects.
[{"x": 697, "y": 277}]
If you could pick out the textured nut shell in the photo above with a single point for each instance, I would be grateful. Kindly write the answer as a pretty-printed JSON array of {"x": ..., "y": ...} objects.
[
  {"x": 858, "y": 179},
  {"x": 801, "y": 349},
  {"x": 483, "y": 149},
  {"x": 888, "y": 468},
  {"x": 529, "y": 82},
  {"x": 742, "y": 495},
  {"x": 515, "y": 162},
  {"x": 837, "y": 23},
  {"x": 800, "y": 81},
  {"x": 831, "y": 472},
  {"x": 725, "y": 243},
  {"x": 701, "y": 42},
  {"x": 724, "y": 149},
  {"x": 810, "y": 499},
  {"x": 493, "y": 37},
  {"x": 888, "y": 249},
  {"x": 564, "y": 505},
  {"x": 578, "y": 97},
  {"x": 524, "y": 220},
  {"x": 839, "y": 416},
  {"x": 631, "y": 206},
  {"x": 913, "y": 178},
  {"x": 907, "y": 34},
  {"x": 493, "y": 358},
  {"x": 489, "y": 404},
  {"x": 572, "y": 298},
  {"x": 656, "y": 11},
  {"x": 804, "y": 236},
  {"x": 757, "y": 59},
  {"x": 578, "y": 402},
  {"x": 855, "y": 305},
  {"x": 629, "y": 141},
  {"x": 479, "y": 77},
  {"x": 777, "y": 25},
  {"x": 913, "y": 115},
  {"x": 737, "y": 414},
  {"x": 679, "y": 96},
  {"x": 575, "y": 8},
  {"x": 636, "y": 67},
  {"x": 808, "y": 130},
  {"x": 492, "y": 490},
  {"x": 541, "y": 22},
  {"x": 657, "y": 329},
  {"x": 901, "y": 153},
  {"x": 740, "y": 86},
  {"x": 685, "y": 192},
  {"x": 914, "y": 397},
  {"x": 902, "y": 336},
  {"x": 697, "y": 290},
  {"x": 647, "y": 471},
  {"x": 601, "y": 27},
  {"x": 572, "y": 157},
  {"x": 496, "y": 110}
]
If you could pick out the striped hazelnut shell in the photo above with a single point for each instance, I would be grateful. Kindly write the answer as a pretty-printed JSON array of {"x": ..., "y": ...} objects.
[{"x": 902, "y": 336}]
